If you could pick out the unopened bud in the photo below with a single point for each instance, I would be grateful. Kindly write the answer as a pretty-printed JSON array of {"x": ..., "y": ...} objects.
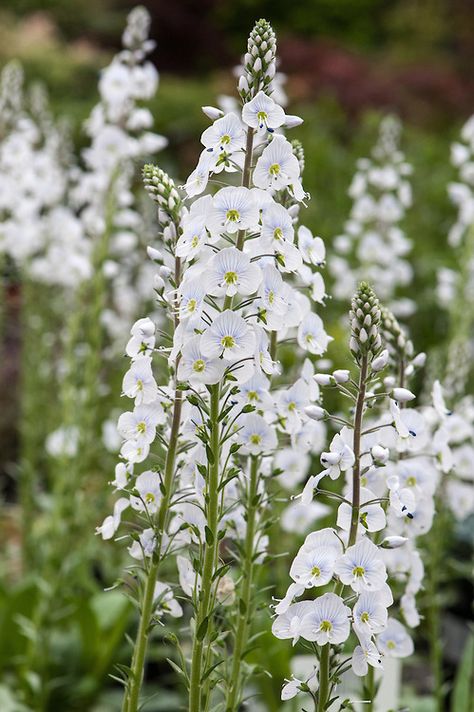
[
  {"x": 315, "y": 412},
  {"x": 402, "y": 395}
]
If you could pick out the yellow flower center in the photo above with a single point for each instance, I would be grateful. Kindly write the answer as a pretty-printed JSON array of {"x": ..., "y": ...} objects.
[
  {"x": 199, "y": 366},
  {"x": 325, "y": 626},
  {"x": 195, "y": 241},
  {"x": 291, "y": 406},
  {"x": 233, "y": 215},
  {"x": 316, "y": 571},
  {"x": 275, "y": 169},
  {"x": 139, "y": 384},
  {"x": 252, "y": 395},
  {"x": 191, "y": 306},
  {"x": 141, "y": 427},
  {"x": 230, "y": 278},
  {"x": 225, "y": 139},
  {"x": 228, "y": 342},
  {"x": 411, "y": 481},
  {"x": 149, "y": 497},
  {"x": 365, "y": 617},
  {"x": 391, "y": 645},
  {"x": 255, "y": 439},
  {"x": 271, "y": 297},
  {"x": 278, "y": 234},
  {"x": 358, "y": 571},
  {"x": 262, "y": 117}
]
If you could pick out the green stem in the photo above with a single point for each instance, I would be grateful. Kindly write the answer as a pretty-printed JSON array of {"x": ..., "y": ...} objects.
[
  {"x": 371, "y": 688},
  {"x": 434, "y": 610},
  {"x": 323, "y": 678},
  {"x": 356, "y": 447},
  {"x": 210, "y": 555},
  {"x": 132, "y": 694},
  {"x": 243, "y": 626}
]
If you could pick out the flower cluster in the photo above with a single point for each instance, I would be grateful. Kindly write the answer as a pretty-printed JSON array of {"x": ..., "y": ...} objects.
[
  {"x": 373, "y": 245},
  {"x": 236, "y": 279},
  {"x": 386, "y": 503}
]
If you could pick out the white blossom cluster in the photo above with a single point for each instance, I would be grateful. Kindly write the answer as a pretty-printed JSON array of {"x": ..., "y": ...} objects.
[
  {"x": 370, "y": 558},
  {"x": 237, "y": 279},
  {"x": 120, "y": 132},
  {"x": 39, "y": 231},
  {"x": 373, "y": 245}
]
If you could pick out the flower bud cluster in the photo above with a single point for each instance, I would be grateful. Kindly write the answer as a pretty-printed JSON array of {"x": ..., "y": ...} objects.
[
  {"x": 259, "y": 61},
  {"x": 161, "y": 188},
  {"x": 365, "y": 321},
  {"x": 395, "y": 337}
]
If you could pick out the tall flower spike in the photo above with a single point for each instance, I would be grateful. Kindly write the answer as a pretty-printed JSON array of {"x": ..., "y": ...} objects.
[
  {"x": 259, "y": 62},
  {"x": 298, "y": 151},
  {"x": 161, "y": 188},
  {"x": 365, "y": 321},
  {"x": 394, "y": 335}
]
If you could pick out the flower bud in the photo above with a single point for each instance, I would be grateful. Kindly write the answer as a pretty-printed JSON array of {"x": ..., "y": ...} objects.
[
  {"x": 381, "y": 361},
  {"x": 315, "y": 412},
  {"x": 342, "y": 375},
  {"x": 402, "y": 395},
  {"x": 419, "y": 360},
  {"x": 291, "y": 121},
  {"x": 393, "y": 542},
  {"x": 212, "y": 112},
  {"x": 324, "y": 379},
  {"x": 380, "y": 454},
  {"x": 161, "y": 188},
  {"x": 158, "y": 283},
  {"x": 153, "y": 254}
]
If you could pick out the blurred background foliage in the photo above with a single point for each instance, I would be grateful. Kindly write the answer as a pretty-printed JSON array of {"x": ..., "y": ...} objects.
[{"x": 348, "y": 62}]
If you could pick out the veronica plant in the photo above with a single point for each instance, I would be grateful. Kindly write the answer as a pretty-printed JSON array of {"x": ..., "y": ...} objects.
[
  {"x": 347, "y": 565},
  {"x": 232, "y": 280},
  {"x": 373, "y": 245}
]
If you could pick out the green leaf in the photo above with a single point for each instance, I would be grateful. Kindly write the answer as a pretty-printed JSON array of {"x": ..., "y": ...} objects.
[
  {"x": 210, "y": 455},
  {"x": 242, "y": 606},
  {"x": 209, "y": 536},
  {"x": 202, "y": 630},
  {"x": 463, "y": 692}
]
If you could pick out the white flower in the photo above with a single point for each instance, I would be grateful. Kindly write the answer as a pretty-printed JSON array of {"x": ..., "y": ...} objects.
[
  {"x": 395, "y": 642},
  {"x": 313, "y": 567},
  {"x": 288, "y": 625},
  {"x": 255, "y": 434},
  {"x": 272, "y": 291},
  {"x": 233, "y": 209},
  {"x": 370, "y": 614},
  {"x": 139, "y": 383},
  {"x": 438, "y": 400},
  {"x": 191, "y": 298},
  {"x": 371, "y": 516},
  {"x": 143, "y": 338},
  {"x": 312, "y": 248},
  {"x": 312, "y": 336},
  {"x": 340, "y": 457},
  {"x": 230, "y": 336},
  {"x": 230, "y": 272},
  {"x": 111, "y": 523},
  {"x": 327, "y": 621},
  {"x": 278, "y": 168},
  {"x": 294, "y": 591},
  {"x": 226, "y": 135},
  {"x": 197, "y": 368},
  {"x": 140, "y": 425},
  {"x": 165, "y": 602},
  {"x": 277, "y": 225},
  {"x": 361, "y": 567},
  {"x": 193, "y": 238},
  {"x": 364, "y": 655},
  {"x": 145, "y": 545},
  {"x": 262, "y": 113},
  {"x": 149, "y": 493},
  {"x": 189, "y": 580},
  {"x": 198, "y": 179}
]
